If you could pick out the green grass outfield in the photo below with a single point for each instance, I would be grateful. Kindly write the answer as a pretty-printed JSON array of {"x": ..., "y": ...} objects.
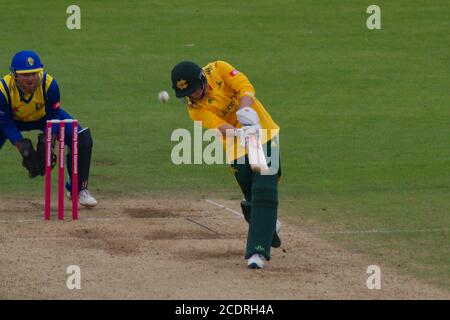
[{"x": 364, "y": 114}]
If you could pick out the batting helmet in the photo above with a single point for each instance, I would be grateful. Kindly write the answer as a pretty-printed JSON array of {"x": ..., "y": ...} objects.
[
  {"x": 186, "y": 78},
  {"x": 26, "y": 61}
]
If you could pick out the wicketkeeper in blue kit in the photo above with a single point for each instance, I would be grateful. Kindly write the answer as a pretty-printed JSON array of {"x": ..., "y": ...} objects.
[{"x": 28, "y": 98}]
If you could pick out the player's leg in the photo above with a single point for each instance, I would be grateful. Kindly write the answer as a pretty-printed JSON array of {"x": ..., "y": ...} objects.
[
  {"x": 262, "y": 234},
  {"x": 85, "y": 144},
  {"x": 244, "y": 175},
  {"x": 263, "y": 217},
  {"x": 246, "y": 207},
  {"x": 260, "y": 205},
  {"x": 273, "y": 153}
]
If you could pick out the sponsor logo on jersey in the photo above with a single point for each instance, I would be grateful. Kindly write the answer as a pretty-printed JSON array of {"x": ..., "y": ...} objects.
[{"x": 233, "y": 72}]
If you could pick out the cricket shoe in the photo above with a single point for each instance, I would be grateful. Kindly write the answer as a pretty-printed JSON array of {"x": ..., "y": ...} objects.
[
  {"x": 84, "y": 198},
  {"x": 255, "y": 261},
  {"x": 276, "y": 241}
]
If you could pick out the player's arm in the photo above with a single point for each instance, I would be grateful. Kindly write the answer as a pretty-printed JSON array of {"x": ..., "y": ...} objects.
[
  {"x": 53, "y": 101},
  {"x": 246, "y": 102},
  {"x": 7, "y": 125},
  {"x": 237, "y": 81},
  {"x": 210, "y": 121},
  {"x": 24, "y": 146}
]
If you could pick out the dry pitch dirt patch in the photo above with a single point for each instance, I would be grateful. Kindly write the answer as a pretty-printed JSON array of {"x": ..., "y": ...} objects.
[{"x": 176, "y": 249}]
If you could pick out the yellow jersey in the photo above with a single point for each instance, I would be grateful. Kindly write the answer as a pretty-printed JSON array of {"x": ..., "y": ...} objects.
[
  {"x": 16, "y": 107},
  {"x": 226, "y": 86},
  {"x": 26, "y": 108}
]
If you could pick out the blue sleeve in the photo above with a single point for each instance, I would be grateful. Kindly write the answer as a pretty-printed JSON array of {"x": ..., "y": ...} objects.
[
  {"x": 7, "y": 125},
  {"x": 53, "y": 103}
]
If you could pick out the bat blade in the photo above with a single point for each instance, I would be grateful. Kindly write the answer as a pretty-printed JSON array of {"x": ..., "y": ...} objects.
[{"x": 256, "y": 155}]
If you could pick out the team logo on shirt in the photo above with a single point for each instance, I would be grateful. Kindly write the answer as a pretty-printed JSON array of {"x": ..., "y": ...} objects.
[
  {"x": 30, "y": 61},
  {"x": 182, "y": 84},
  {"x": 259, "y": 248},
  {"x": 208, "y": 70}
]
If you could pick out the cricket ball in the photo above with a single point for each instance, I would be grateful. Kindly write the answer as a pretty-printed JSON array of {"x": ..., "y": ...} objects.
[{"x": 163, "y": 96}]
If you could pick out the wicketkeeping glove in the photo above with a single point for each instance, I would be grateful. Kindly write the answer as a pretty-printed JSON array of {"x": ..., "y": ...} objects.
[{"x": 29, "y": 157}]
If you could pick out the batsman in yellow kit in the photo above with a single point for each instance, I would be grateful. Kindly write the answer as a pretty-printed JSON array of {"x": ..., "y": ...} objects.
[{"x": 222, "y": 98}]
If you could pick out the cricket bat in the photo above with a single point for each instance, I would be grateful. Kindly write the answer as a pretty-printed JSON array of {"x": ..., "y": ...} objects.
[{"x": 255, "y": 153}]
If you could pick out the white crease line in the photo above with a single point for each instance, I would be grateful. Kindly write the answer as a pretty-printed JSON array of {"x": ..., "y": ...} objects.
[
  {"x": 224, "y": 207},
  {"x": 346, "y": 232},
  {"x": 68, "y": 220},
  {"x": 112, "y": 238},
  {"x": 19, "y": 221},
  {"x": 71, "y": 238},
  {"x": 107, "y": 219},
  {"x": 382, "y": 231}
]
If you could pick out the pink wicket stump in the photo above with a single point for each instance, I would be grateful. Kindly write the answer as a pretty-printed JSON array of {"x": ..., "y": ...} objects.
[
  {"x": 75, "y": 170},
  {"x": 61, "y": 161},
  {"x": 62, "y": 135},
  {"x": 48, "y": 169}
]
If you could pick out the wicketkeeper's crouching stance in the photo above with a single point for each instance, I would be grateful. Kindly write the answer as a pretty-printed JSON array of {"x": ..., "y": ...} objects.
[
  {"x": 28, "y": 98},
  {"x": 223, "y": 98}
]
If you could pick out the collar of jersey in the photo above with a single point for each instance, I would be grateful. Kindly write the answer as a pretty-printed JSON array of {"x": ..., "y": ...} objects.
[{"x": 22, "y": 98}]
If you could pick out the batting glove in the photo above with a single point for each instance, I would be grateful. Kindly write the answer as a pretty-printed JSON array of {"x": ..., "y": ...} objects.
[
  {"x": 247, "y": 116},
  {"x": 244, "y": 132}
]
